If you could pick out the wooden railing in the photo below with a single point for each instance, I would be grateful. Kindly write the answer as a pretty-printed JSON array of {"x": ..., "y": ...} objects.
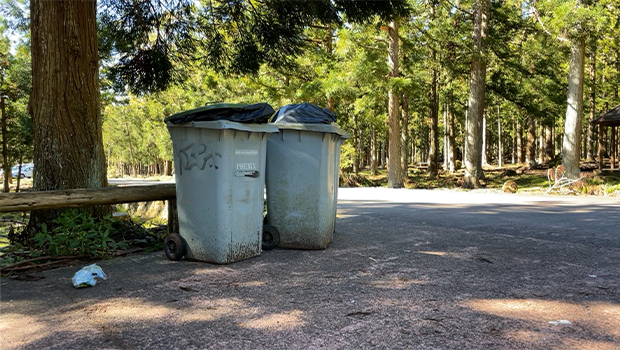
[{"x": 75, "y": 198}]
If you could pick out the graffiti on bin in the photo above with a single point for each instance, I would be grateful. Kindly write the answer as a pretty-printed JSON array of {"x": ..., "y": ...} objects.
[{"x": 196, "y": 155}]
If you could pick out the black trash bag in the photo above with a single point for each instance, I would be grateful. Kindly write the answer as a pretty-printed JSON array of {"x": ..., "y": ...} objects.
[
  {"x": 234, "y": 112},
  {"x": 305, "y": 113}
]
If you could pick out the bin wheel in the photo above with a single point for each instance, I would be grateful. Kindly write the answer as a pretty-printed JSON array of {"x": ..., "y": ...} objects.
[
  {"x": 174, "y": 246},
  {"x": 271, "y": 237}
]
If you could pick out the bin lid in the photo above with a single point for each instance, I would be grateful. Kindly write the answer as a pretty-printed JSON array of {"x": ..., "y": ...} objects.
[
  {"x": 236, "y": 112},
  {"x": 226, "y": 124},
  {"x": 324, "y": 128}
]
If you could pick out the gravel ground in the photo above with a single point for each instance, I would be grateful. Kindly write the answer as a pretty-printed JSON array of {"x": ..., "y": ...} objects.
[{"x": 407, "y": 269}]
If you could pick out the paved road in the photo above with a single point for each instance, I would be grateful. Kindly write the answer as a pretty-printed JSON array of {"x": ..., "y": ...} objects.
[{"x": 407, "y": 269}]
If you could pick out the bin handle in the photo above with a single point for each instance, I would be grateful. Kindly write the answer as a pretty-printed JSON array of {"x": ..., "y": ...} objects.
[{"x": 252, "y": 174}]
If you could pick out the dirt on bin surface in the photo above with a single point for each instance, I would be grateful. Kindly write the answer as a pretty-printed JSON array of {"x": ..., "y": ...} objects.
[{"x": 407, "y": 269}]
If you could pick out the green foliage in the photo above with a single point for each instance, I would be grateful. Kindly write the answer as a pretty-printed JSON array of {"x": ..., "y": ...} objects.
[{"x": 77, "y": 233}]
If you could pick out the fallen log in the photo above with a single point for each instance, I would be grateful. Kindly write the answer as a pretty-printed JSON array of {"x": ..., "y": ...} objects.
[{"x": 74, "y": 198}]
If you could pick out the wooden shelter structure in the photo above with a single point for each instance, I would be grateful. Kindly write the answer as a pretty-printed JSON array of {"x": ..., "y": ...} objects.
[{"x": 610, "y": 119}]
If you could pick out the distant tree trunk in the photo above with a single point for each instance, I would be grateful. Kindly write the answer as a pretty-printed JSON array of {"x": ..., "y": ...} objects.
[
  {"x": 613, "y": 145},
  {"x": 499, "y": 140},
  {"x": 451, "y": 140},
  {"x": 601, "y": 147},
  {"x": 65, "y": 101},
  {"x": 356, "y": 136},
  {"x": 446, "y": 143},
  {"x": 520, "y": 153},
  {"x": 374, "y": 152},
  {"x": 549, "y": 142},
  {"x": 541, "y": 145},
  {"x": 395, "y": 174},
  {"x": 404, "y": 146},
  {"x": 6, "y": 167},
  {"x": 433, "y": 153},
  {"x": 19, "y": 171},
  {"x": 433, "y": 156},
  {"x": 572, "y": 128},
  {"x": 530, "y": 151},
  {"x": 473, "y": 145},
  {"x": 484, "y": 140}
]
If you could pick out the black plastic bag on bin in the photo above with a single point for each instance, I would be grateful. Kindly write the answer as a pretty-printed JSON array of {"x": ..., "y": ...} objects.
[
  {"x": 305, "y": 113},
  {"x": 234, "y": 112}
]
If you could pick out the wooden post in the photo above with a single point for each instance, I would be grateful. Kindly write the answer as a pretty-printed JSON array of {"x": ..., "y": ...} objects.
[{"x": 173, "y": 216}]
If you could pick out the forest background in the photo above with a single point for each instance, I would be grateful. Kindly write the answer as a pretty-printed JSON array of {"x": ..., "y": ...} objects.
[{"x": 405, "y": 82}]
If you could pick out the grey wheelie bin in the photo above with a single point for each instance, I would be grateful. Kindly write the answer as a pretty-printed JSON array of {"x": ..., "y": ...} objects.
[
  {"x": 220, "y": 179},
  {"x": 303, "y": 163}
]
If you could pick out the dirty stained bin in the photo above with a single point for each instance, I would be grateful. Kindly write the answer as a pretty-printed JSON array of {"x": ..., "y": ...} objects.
[
  {"x": 220, "y": 178},
  {"x": 303, "y": 162}
]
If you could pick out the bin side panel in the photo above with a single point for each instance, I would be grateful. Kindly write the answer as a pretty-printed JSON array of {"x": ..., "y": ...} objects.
[
  {"x": 248, "y": 186},
  {"x": 301, "y": 188},
  {"x": 203, "y": 204}
]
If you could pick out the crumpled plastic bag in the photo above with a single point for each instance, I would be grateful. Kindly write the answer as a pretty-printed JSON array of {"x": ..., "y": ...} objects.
[{"x": 86, "y": 276}]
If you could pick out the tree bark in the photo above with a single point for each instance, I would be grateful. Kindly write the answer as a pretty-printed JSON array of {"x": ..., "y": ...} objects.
[
  {"x": 520, "y": 153},
  {"x": 572, "y": 128},
  {"x": 473, "y": 144},
  {"x": 591, "y": 138},
  {"x": 395, "y": 174},
  {"x": 65, "y": 101}
]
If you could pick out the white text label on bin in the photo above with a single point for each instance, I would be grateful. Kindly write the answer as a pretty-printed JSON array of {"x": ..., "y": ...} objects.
[
  {"x": 247, "y": 166},
  {"x": 246, "y": 152}
]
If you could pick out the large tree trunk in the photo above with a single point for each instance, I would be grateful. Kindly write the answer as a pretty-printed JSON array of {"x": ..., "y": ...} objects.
[
  {"x": 395, "y": 174},
  {"x": 572, "y": 128},
  {"x": 473, "y": 144},
  {"x": 65, "y": 102}
]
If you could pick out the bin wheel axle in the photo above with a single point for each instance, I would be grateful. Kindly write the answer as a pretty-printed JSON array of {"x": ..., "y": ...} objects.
[
  {"x": 174, "y": 246},
  {"x": 271, "y": 237}
]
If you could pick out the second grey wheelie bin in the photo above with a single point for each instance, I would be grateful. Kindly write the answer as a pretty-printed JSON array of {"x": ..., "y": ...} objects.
[
  {"x": 303, "y": 164},
  {"x": 220, "y": 177}
]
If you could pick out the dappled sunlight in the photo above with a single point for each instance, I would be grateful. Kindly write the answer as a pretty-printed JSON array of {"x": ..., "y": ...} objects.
[
  {"x": 20, "y": 330},
  {"x": 127, "y": 309},
  {"x": 210, "y": 310},
  {"x": 575, "y": 344},
  {"x": 213, "y": 270},
  {"x": 396, "y": 283},
  {"x": 527, "y": 336},
  {"x": 277, "y": 322},
  {"x": 604, "y": 316},
  {"x": 251, "y": 284}
]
